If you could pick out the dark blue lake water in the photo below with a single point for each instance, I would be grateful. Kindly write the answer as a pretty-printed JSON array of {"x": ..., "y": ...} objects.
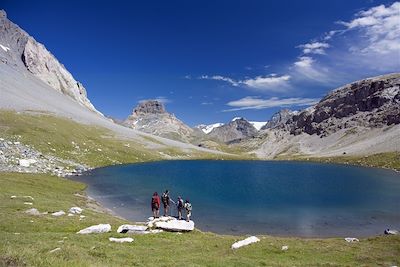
[{"x": 258, "y": 197}]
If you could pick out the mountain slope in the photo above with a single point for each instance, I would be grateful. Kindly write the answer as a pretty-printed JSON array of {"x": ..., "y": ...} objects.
[
  {"x": 237, "y": 129},
  {"x": 22, "y": 51},
  {"x": 362, "y": 118},
  {"x": 151, "y": 117}
]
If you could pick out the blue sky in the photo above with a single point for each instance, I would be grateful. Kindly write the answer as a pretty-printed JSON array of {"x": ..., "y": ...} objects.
[{"x": 210, "y": 61}]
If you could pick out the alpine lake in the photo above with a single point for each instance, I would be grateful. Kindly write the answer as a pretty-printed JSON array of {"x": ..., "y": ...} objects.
[{"x": 281, "y": 198}]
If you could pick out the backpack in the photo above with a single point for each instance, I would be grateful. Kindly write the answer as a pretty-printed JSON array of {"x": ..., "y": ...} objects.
[
  {"x": 180, "y": 203},
  {"x": 165, "y": 198},
  {"x": 188, "y": 206}
]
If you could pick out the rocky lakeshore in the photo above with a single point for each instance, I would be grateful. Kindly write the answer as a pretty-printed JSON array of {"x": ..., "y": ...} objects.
[{"x": 18, "y": 157}]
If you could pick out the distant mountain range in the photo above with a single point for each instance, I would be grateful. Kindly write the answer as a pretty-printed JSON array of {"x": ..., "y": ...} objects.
[{"x": 359, "y": 118}]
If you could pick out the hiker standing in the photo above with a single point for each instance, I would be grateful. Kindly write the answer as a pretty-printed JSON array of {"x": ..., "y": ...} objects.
[
  {"x": 188, "y": 208},
  {"x": 165, "y": 200},
  {"x": 180, "y": 206},
  {"x": 155, "y": 205}
]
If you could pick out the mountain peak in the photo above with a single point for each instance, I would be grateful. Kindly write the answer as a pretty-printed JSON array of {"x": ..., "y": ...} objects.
[
  {"x": 149, "y": 107},
  {"x": 3, "y": 13}
]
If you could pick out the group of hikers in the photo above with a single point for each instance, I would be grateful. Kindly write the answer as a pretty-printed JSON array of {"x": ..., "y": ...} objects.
[{"x": 166, "y": 201}]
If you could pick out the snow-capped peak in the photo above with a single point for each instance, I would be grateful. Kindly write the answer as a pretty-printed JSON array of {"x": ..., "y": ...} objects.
[
  {"x": 258, "y": 124},
  {"x": 237, "y": 118},
  {"x": 208, "y": 128}
]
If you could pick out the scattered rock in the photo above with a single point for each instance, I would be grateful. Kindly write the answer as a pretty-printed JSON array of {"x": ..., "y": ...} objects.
[
  {"x": 54, "y": 250},
  {"x": 58, "y": 213},
  {"x": 391, "y": 232},
  {"x": 96, "y": 229},
  {"x": 70, "y": 215},
  {"x": 127, "y": 228},
  {"x": 12, "y": 197},
  {"x": 245, "y": 242},
  {"x": 26, "y": 162},
  {"x": 171, "y": 224},
  {"x": 33, "y": 211},
  {"x": 28, "y": 203},
  {"x": 351, "y": 239},
  {"x": 121, "y": 240},
  {"x": 75, "y": 210},
  {"x": 284, "y": 248}
]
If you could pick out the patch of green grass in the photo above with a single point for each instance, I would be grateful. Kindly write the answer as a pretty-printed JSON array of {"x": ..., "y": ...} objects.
[
  {"x": 388, "y": 160},
  {"x": 35, "y": 239}
]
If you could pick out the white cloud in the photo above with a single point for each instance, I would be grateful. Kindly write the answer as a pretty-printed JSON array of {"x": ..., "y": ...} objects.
[
  {"x": 251, "y": 102},
  {"x": 305, "y": 67},
  {"x": 271, "y": 82},
  {"x": 268, "y": 83},
  {"x": 380, "y": 28},
  {"x": 314, "y": 48},
  {"x": 220, "y": 78}
]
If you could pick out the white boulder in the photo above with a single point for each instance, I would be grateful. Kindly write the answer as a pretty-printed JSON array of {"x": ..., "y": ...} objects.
[
  {"x": 171, "y": 224},
  {"x": 391, "y": 232},
  {"x": 75, "y": 210},
  {"x": 284, "y": 248},
  {"x": 121, "y": 240},
  {"x": 58, "y": 213},
  {"x": 33, "y": 211},
  {"x": 128, "y": 228},
  {"x": 351, "y": 239},
  {"x": 96, "y": 229},
  {"x": 26, "y": 162},
  {"x": 245, "y": 242}
]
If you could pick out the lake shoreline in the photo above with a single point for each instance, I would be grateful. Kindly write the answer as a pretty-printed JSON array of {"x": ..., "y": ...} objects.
[{"x": 115, "y": 212}]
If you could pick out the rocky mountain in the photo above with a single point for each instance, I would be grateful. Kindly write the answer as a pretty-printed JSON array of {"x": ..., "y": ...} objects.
[
  {"x": 360, "y": 118},
  {"x": 373, "y": 102},
  {"x": 237, "y": 129},
  {"x": 151, "y": 117},
  {"x": 279, "y": 119},
  {"x": 22, "y": 51}
]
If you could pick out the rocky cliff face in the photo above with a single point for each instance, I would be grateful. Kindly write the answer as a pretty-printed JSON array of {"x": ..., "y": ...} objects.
[
  {"x": 20, "y": 50},
  {"x": 279, "y": 119},
  {"x": 237, "y": 129},
  {"x": 373, "y": 102},
  {"x": 151, "y": 117}
]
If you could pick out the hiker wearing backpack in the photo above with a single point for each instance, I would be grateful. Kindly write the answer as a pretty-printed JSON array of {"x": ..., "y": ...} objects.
[
  {"x": 165, "y": 200},
  {"x": 180, "y": 206},
  {"x": 188, "y": 208},
  {"x": 155, "y": 205}
]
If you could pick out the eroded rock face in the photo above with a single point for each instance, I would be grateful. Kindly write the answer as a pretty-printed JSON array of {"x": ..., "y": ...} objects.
[
  {"x": 373, "y": 102},
  {"x": 151, "y": 117},
  {"x": 237, "y": 129},
  {"x": 279, "y": 119},
  {"x": 22, "y": 51}
]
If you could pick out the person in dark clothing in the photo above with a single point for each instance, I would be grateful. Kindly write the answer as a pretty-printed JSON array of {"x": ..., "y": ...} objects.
[
  {"x": 166, "y": 201},
  {"x": 155, "y": 205},
  {"x": 180, "y": 207}
]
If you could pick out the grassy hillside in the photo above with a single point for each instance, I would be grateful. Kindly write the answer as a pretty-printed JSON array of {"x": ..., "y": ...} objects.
[
  {"x": 86, "y": 144},
  {"x": 27, "y": 240}
]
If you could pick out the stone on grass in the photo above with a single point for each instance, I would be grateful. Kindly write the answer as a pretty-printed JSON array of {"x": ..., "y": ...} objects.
[
  {"x": 391, "y": 232},
  {"x": 96, "y": 229},
  {"x": 28, "y": 203},
  {"x": 26, "y": 162},
  {"x": 245, "y": 242},
  {"x": 128, "y": 228},
  {"x": 58, "y": 213},
  {"x": 285, "y": 248},
  {"x": 54, "y": 250},
  {"x": 13, "y": 197},
  {"x": 171, "y": 224},
  {"x": 70, "y": 215},
  {"x": 351, "y": 239},
  {"x": 121, "y": 240},
  {"x": 33, "y": 211},
  {"x": 75, "y": 210}
]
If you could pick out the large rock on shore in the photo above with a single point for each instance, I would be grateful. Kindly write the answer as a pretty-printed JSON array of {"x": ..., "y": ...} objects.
[
  {"x": 96, "y": 229},
  {"x": 171, "y": 224}
]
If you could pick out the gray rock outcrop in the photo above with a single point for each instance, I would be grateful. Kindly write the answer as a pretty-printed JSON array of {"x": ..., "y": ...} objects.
[
  {"x": 22, "y": 51},
  {"x": 279, "y": 119},
  {"x": 151, "y": 117},
  {"x": 373, "y": 102},
  {"x": 237, "y": 129}
]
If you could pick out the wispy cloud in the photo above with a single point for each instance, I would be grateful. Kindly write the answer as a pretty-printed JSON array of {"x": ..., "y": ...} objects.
[
  {"x": 305, "y": 67},
  {"x": 314, "y": 48},
  {"x": 270, "y": 82},
  {"x": 161, "y": 99},
  {"x": 253, "y": 102}
]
